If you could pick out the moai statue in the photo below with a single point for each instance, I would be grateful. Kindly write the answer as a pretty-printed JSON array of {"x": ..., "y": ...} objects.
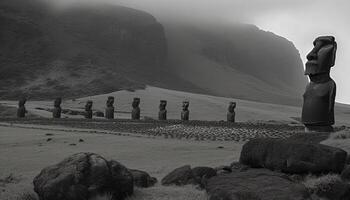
[
  {"x": 162, "y": 110},
  {"x": 57, "y": 110},
  {"x": 88, "y": 110},
  {"x": 231, "y": 114},
  {"x": 135, "y": 113},
  {"x": 21, "y": 111},
  {"x": 110, "y": 108},
  {"x": 319, "y": 96},
  {"x": 185, "y": 114}
]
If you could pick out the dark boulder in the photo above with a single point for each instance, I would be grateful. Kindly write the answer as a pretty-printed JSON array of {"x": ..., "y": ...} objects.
[
  {"x": 202, "y": 174},
  {"x": 292, "y": 156},
  {"x": 255, "y": 184},
  {"x": 82, "y": 176},
  {"x": 180, "y": 176},
  {"x": 142, "y": 179}
]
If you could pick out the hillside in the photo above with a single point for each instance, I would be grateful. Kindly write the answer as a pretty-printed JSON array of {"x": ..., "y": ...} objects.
[
  {"x": 239, "y": 61},
  {"x": 88, "y": 50}
]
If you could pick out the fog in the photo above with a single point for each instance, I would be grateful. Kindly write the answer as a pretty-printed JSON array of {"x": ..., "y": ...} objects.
[{"x": 299, "y": 21}]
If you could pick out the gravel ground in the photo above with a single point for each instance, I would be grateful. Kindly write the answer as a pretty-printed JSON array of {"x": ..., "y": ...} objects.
[{"x": 190, "y": 130}]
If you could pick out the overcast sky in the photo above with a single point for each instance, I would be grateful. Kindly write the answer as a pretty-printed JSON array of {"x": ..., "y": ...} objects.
[{"x": 300, "y": 21}]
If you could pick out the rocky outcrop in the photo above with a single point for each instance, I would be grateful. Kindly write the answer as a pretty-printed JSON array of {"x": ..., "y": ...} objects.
[
  {"x": 179, "y": 176},
  {"x": 82, "y": 176},
  {"x": 255, "y": 184},
  {"x": 293, "y": 157},
  {"x": 142, "y": 179}
]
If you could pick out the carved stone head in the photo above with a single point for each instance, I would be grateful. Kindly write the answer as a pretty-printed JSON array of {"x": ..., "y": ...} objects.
[
  {"x": 185, "y": 105},
  {"x": 322, "y": 56},
  {"x": 21, "y": 102},
  {"x": 88, "y": 105},
  {"x": 136, "y": 102},
  {"x": 57, "y": 102},
  {"x": 162, "y": 105},
  {"x": 231, "y": 107},
  {"x": 110, "y": 101}
]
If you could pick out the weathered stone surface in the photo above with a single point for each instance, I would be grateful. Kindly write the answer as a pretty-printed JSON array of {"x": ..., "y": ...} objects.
[
  {"x": 345, "y": 175},
  {"x": 21, "y": 111},
  {"x": 82, "y": 176},
  {"x": 231, "y": 114},
  {"x": 88, "y": 110},
  {"x": 255, "y": 184},
  {"x": 293, "y": 157},
  {"x": 162, "y": 114},
  {"x": 57, "y": 110},
  {"x": 319, "y": 96},
  {"x": 136, "y": 111},
  {"x": 180, "y": 176},
  {"x": 142, "y": 179},
  {"x": 200, "y": 173}
]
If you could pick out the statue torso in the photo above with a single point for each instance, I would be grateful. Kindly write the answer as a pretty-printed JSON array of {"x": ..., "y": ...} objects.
[{"x": 318, "y": 108}]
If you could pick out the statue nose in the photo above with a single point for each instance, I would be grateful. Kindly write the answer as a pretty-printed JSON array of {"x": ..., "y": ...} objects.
[{"x": 312, "y": 55}]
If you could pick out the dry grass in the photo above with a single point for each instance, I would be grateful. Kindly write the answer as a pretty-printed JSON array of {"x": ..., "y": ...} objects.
[
  {"x": 169, "y": 193},
  {"x": 322, "y": 184},
  {"x": 343, "y": 134}
]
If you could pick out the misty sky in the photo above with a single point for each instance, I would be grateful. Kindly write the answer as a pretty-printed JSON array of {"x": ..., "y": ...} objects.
[{"x": 300, "y": 21}]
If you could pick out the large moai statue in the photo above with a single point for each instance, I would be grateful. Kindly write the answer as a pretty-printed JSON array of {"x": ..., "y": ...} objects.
[
  {"x": 109, "y": 114},
  {"x": 185, "y": 113},
  {"x": 162, "y": 110},
  {"x": 57, "y": 110},
  {"x": 136, "y": 111},
  {"x": 21, "y": 111},
  {"x": 231, "y": 114},
  {"x": 319, "y": 96},
  {"x": 88, "y": 110}
]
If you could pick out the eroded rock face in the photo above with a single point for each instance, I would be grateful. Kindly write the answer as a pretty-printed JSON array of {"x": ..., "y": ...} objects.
[
  {"x": 254, "y": 184},
  {"x": 82, "y": 176},
  {"x": 293, "y": 157}
]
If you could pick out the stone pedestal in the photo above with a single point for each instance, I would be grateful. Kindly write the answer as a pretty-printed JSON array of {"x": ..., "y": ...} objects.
[{"x": 319, "y": 129}]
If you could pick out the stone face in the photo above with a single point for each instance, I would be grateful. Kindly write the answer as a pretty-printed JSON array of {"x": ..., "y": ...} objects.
[
  {"x": 231, "y": 114},
  {"x": 142, "y": 179},
  {"x": 110, "y": 108},
  {"x": 57, "y": 110},
  {"x": 185, "y": 113},
  {"x": 136, "y": 111},
  {"x": 180, "y": 176},
  {"x": 88, "y": 110},
  {"x": 162, "y": 114},
  {"x": 319, "y": 96},
  {"x": 21, "y": 111},
  {"x": 255, "y": 184},
  {"x": 82, "y": 176},
  {"x": 293, "y": 157}
]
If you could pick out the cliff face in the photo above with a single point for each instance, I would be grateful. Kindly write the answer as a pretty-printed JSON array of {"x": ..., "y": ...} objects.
[
  {"x": 86, "y": 50},
  {"x": 237, "y": 61},
  {"x": 77, "y": 51}
]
